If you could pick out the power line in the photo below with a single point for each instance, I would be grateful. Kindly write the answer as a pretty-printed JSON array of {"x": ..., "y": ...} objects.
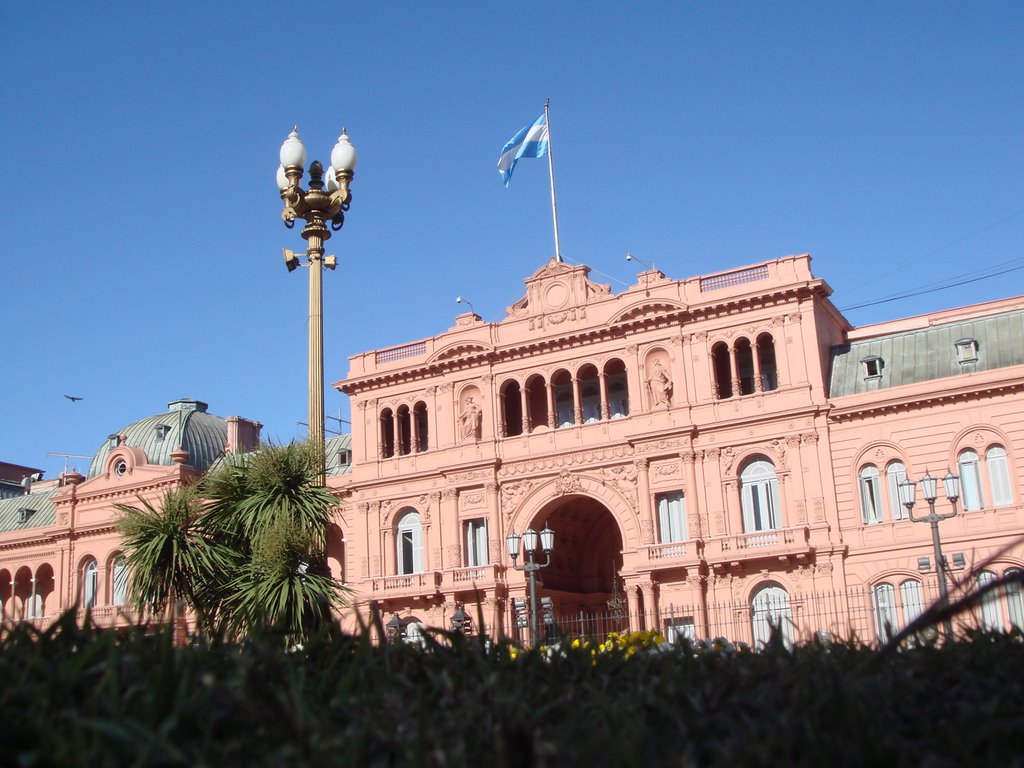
[{"x": 970, "y": 277}]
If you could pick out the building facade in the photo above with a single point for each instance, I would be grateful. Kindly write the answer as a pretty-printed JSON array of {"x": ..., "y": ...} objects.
[{"x": 714, "y": 455}]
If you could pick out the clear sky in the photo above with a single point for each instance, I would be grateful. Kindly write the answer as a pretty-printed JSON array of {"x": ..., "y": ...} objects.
[{"x": 141, "y": 221}]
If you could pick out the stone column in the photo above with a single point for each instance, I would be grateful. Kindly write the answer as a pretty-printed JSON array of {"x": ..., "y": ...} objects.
[
  {"x": 524, "y": 409},
  {"x": 552, "y": 412},
  {"x": 694, "y": 522},
  {"x": 758, "y": 386},
  {"x": 650, "y": 605},
  {"x": 646, "y": 512},
  {"x": 502, "y": 430},
  {"x": 633, "y": 601},
  {"x": 577, "y": 403},
  {"x": 495, "y": 534},
  {"x": 734, "y": 373},
  {"x": 606, "y": 411}
]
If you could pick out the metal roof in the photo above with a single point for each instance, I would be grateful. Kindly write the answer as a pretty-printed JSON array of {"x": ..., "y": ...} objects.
[
  {"x": 186, "y": 423},
  {"x": 44, "y": 511},
  {"x": 927, "y": 354},
  {"x": 338, "y": 455}
]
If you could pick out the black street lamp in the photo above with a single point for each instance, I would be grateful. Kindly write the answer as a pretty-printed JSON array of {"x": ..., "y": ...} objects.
[
  {"x": 929, "y": 487},
  {"x": 531, "y": 566},
  {"x": 462, "y": 622}
]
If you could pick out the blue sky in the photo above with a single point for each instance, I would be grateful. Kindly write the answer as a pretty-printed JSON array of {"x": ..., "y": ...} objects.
[{"x": 141, "y": 222}]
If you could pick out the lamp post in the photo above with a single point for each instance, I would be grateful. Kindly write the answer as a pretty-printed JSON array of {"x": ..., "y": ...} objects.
[
  {"x": 531, "y": 566},
  {"x": 324, "y": 202},
  {"x": 929, "y": 487}
]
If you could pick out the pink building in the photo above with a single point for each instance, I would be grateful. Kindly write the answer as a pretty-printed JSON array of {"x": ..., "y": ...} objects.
[{"x": 713, "y": 454}]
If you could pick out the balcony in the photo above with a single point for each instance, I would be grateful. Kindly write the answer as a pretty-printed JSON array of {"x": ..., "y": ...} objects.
[
  {"x": 482, "y": 576},
  {"x": 782, "y": 543},
  {"x": 407, "y": 584},
  {"x": 676, "y": 554}
]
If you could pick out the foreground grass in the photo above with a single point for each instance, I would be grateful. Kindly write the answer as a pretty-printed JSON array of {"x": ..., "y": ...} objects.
[{"x": 74, "y": 696}]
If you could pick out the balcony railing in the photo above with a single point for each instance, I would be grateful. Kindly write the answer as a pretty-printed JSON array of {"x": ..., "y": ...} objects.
[
  {"x": 411, "y": 582},
  {"x": 470, "y": 575},
  {"x": 779, "y": 541},
  {"x": 674, "y": 551}
]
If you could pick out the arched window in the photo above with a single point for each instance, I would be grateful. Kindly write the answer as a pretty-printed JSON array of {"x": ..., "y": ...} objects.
[
  {"x": 409, "y": 543},
  {"x": 590, "y": 394},
  {"x": 419, "y": 412},
  {"x": 387, "y": 434},
  {"x": 119, "y": 580},
  {"x": 913, "y": 603},
  {"x": 766, "y": 362},
  {"x": 536, "y": 402},
  {"x": 990, "y": 611},
  {"x": 511, "y": 408},
  {"x": 759, "y": 496},
  {"x": 565, "y": 405},
  {"x": 998, "y": 476},
  {"x": 723, "y": 370},
  {"x": 770, "y": 609},
  {"x": 886, "y": 622},
  {"x": 90, "y": 584},
  {"x": 895, "y": 473},
  {"x": 870, "y": 495},
  {"x": 617, "y": 388},
  {"x": 970, "y": 480},
  {"x": 1014, "y": 604},
  {"x": 745, "y": 366},
  {"x": 404, "y": 430}
]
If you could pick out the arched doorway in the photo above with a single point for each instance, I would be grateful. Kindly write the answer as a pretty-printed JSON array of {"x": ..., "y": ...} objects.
[{"x": 583, "y": 576}]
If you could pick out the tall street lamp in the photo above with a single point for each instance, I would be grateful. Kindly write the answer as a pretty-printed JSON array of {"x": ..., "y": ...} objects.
[
  {"x": 531, "y": 566},
  {"x": 324, "y": 202},
  {"x": 929, "y": 487}
]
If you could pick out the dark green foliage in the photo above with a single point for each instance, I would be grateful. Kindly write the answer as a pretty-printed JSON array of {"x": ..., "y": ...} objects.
[
  {"x": 244, "y": 550},
  {"x": 74, "y": 696}
]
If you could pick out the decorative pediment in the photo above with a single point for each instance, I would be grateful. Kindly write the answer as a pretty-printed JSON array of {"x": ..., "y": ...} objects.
[
  {"x": 648, "y": 309},
  {"x": 460, "y": 349},
  {"x": 557, "y": 287}
]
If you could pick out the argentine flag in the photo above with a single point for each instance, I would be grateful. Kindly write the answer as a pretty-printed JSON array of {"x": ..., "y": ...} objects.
[{"x": 532, "y": 141}]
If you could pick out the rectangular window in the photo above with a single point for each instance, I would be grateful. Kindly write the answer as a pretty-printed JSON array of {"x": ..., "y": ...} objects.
[
  {"x": 671, "y": 517},
  {"x": 680, "y": 629},
  {"x": 869, "y": 500},
  {"x": 476, "y": 543}
]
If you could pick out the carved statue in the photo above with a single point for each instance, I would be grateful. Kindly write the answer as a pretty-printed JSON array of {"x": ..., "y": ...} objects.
[
  {"x": 660, "y": 385},
  {"x": 470, "y": 420}
]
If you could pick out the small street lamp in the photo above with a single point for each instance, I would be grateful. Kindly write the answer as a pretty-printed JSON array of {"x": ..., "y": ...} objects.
[
  {"x": 461, "y": 621},
  {"x": 324, "y": 202},
  {"x": 929, "y": 487},
  {"x": 394, "y": 628},
  {"x": 531, "y": 566}
]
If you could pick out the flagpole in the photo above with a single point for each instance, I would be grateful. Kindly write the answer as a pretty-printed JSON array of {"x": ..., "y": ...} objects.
[{"x": 551, "y": 175}]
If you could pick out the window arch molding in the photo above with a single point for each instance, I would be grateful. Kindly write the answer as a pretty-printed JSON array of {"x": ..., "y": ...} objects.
[{"x": 760, "y": 496}]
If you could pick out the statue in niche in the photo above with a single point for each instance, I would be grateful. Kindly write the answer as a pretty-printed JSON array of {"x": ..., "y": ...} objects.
[
  {"x": 470, "y": 420},
  {"x": 659, "y": 385}
]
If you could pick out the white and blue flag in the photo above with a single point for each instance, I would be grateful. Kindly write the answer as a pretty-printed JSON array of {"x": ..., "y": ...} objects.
[{"x": 532, "y": 141}]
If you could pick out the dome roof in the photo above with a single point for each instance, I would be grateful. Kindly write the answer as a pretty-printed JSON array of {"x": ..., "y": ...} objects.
[{"x": 186, "y": 424}]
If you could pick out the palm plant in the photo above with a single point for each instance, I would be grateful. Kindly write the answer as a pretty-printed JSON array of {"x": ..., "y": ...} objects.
[
  {"x": 265, "y": 505},
  {"x": 169, "y": 557}
]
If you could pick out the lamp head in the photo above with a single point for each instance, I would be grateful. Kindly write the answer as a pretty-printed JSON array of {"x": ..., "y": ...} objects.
[
  {"x": 343, "y": 156},
  {"x": 293, "y": 151}
]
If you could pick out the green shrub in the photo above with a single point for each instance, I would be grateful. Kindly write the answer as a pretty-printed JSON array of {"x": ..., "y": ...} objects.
[{"x": 81, "y": 696}]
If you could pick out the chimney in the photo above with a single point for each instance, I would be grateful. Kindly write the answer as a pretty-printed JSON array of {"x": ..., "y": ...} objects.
[{"x": 243, "y": 435}]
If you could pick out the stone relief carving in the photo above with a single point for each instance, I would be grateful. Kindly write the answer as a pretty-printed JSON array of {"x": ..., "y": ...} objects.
[
  {"x": 585, "y": 458},
  {"x": 623, "y": 479},
  {"x": 659, "y": 446},
  {"x": 473, "y": 500},
  {"x": 567, "y": 483},
  {"x": 512, "y": 495}
]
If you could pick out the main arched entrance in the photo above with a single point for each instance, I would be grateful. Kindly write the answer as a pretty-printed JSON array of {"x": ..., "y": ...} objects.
[{"x": 583, "y": 581}]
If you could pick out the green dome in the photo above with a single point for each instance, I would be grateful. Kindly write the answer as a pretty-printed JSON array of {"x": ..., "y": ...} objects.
[{"x": 186, "y": 424}]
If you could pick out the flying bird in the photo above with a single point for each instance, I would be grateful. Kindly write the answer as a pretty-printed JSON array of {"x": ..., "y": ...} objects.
[{"x": 72, "y": 398}]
